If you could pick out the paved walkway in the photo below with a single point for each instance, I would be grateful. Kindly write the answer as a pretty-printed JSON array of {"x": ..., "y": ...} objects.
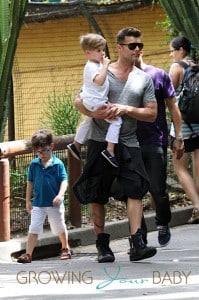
[
  {"x": 172, "y": 274},
  {"x": 49, "y": 244}
]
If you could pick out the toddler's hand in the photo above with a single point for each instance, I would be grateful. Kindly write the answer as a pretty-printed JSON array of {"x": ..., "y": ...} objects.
[{"x": 106, "y": 61}]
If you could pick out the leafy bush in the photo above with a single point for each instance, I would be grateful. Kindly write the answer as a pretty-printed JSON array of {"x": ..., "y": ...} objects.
[
  {"x": 60, "y": 115},
  {"x": 18, "y": 179}
]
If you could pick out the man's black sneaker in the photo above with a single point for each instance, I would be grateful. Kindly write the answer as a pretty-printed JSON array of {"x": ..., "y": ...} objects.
[
  {"x": 73, "y": 150},
  {"x": 140, "y": 254},
  {"x": 144, "y": 238},
  {"x": 138, "y": 249},
  {"x": 164, "y": 235},
  {"x": 111, "y": 159}
]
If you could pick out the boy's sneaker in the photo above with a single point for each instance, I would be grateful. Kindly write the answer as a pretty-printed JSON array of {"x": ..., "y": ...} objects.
[
  {"x": 73, "y": 150},
  {"x": 65, "y": 254},
  {"x": 164, "y": 235},
  {"x": 111, "y": 159},
  {"x": 194, "y": 218}
]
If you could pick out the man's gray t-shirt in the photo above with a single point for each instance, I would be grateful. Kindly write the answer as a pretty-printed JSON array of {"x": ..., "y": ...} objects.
[{"x": 137, "y": 90}]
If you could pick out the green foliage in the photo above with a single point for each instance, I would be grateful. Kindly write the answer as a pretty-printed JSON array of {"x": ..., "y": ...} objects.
[
  {"x": 60, "y": 114},
  {"x": 18, "y": 178},
  {"x": 155, "y": 2},
  {"x": 47, "y": 1},
  {"x": 11, "y": 17},
  {"x": 167, "y": 27},
  {"x": 195, "y": 54},
  {"x": 184, "y": 17}
]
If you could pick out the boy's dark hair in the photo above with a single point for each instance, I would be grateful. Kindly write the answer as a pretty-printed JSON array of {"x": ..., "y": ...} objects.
[
  {"x": 41, "y": 138},
  {"x": 181, "y": 41},
  {"x": 129, "y": 31}
]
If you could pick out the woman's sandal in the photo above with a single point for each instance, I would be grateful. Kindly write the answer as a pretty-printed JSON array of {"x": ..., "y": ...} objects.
[
  {"x": 65, "y": 254},
  {"x": 24, "y": 258}
]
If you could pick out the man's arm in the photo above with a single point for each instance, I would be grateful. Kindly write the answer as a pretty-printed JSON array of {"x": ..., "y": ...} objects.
[
  {"x": 106, "y": 111},
  {"x": 178, "y": 144},
  {"x": 147, "y": 113},
  {"x": 175, "y": 115}
]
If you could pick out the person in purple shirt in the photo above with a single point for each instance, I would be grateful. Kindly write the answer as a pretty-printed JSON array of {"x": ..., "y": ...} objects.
[{"x": 153, "y": 140}]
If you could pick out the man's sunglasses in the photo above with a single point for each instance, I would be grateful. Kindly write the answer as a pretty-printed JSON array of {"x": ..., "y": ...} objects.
[{"x": 132, "y": 46}]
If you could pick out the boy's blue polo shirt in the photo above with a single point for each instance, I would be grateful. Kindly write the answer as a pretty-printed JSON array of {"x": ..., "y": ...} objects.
[{"x": 46, "y": 181}]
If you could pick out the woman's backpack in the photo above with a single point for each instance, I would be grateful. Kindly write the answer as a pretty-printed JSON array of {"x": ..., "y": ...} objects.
[{"x": 189, "y": 95}]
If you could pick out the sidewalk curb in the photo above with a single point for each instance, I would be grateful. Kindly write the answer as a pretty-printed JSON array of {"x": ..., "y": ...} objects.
[{"x": 84, "y": 236}]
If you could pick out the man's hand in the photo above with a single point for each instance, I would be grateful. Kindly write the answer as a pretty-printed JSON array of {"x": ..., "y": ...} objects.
[
  {"x": 107, "y": 111},
  {"x": 120, "y": 109}
]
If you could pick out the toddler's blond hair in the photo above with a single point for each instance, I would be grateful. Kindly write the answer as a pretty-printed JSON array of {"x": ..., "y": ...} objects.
[{"x": 92, "y": 41}]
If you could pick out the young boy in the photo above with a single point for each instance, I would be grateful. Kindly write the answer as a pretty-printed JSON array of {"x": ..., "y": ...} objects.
[
  {"x": 94, "y": 95},
  {"x": 47, "y": 181}
]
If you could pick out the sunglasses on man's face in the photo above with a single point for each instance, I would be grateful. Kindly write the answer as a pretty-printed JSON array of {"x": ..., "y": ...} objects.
[{"x": 133, "y": 46}]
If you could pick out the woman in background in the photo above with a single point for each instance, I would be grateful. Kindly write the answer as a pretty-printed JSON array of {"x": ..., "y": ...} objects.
[{"x": 180, "y": 53}]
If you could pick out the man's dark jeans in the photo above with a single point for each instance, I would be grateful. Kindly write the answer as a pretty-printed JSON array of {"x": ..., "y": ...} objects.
[{"x": 155, "y": 161}]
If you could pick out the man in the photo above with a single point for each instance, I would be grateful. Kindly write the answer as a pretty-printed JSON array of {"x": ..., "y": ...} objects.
[
  {"x": 153, "y": 140},
  {"x": 132, "y": 93}
]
